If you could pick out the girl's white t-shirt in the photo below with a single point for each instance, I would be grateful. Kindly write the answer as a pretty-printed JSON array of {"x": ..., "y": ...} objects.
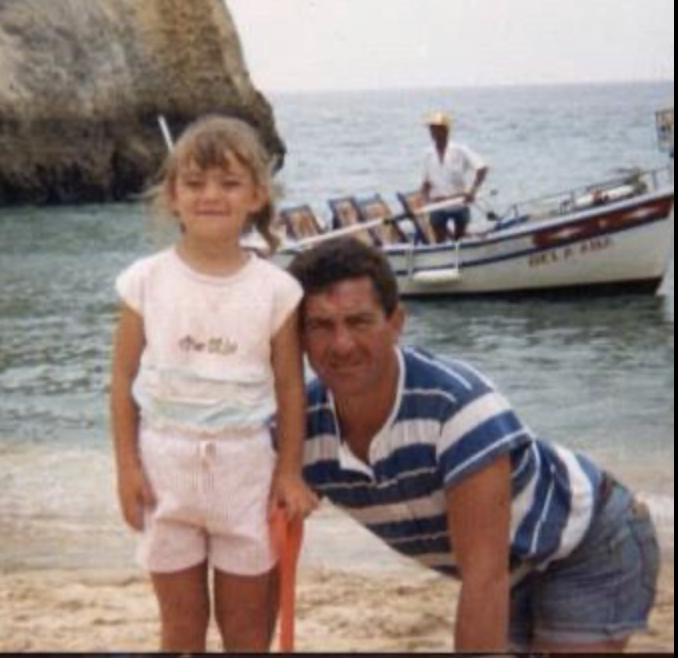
[{"x": 206, "y": 366}]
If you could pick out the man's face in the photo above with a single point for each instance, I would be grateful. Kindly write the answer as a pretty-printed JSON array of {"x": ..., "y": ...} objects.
[
  {"x": 439, "y": 134},
  {"x": 349, "y": 339}
]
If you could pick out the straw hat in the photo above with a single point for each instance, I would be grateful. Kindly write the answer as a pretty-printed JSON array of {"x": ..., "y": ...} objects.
[{"x": 438, "y": 119}]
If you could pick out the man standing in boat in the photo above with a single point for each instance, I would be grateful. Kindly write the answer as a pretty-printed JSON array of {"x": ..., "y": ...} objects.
[
  {"x": 447, "y": 170},
  {"x": 553, "y": 554}
]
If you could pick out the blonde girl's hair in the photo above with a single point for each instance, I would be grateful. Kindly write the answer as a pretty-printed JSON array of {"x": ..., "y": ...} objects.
[{"x": 212, "y": 142}]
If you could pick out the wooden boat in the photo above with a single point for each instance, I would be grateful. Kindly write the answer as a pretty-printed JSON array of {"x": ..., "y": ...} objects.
[{"x": 615, "y": 236}]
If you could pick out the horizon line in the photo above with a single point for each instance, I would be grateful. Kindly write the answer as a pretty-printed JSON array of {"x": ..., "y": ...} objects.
[{"x": 443, "y": 87}]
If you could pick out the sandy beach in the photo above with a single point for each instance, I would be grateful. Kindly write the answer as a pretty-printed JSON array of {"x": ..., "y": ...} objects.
[{"x": 405, "y": 611}]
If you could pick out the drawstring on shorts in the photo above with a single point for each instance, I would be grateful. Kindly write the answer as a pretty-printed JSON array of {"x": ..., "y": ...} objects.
[{"x": 207, "y": 451}]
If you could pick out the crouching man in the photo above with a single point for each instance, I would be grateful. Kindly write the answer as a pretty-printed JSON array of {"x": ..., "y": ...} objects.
[{"x": 553, "y": 553}]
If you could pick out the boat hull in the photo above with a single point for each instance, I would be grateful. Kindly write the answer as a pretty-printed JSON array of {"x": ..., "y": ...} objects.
[{"x": 621, "y": 247}]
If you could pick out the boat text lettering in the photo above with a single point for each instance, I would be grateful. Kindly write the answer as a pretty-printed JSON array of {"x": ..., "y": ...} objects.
[{"x": 566, "y": 253}]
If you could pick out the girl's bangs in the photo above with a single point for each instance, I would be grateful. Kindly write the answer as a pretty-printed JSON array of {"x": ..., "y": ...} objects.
[{"x": 207, "y": 152}]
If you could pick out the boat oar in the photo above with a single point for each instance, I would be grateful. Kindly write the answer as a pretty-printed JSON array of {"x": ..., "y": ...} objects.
[
  {"x": 287, "y": 537},
  {"x": 455, "y": 202},
  {"x": 166, "y": 133}
]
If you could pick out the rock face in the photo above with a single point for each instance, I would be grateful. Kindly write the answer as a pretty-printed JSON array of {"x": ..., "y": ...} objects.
[{"x": 82, "y": 83}]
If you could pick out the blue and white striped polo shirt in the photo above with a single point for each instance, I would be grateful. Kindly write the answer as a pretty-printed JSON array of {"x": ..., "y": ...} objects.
[{"x": 449, "y": 421}]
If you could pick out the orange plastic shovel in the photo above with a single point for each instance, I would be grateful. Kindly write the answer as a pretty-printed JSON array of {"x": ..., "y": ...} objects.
[{"x": 287, "y": 537}]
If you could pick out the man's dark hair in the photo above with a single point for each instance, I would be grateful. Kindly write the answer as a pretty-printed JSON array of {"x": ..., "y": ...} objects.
[{"x": 342, "y": 259}]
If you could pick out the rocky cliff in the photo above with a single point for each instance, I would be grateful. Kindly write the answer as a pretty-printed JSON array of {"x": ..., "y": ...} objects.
[{"x": 82, "y": 83}]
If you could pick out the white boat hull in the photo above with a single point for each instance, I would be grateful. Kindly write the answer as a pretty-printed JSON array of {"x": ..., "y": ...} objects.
[{"x": 625, "y": 245}]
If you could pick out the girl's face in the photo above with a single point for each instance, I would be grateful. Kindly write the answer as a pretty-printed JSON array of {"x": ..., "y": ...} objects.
[{"x": 214, "y": 204}]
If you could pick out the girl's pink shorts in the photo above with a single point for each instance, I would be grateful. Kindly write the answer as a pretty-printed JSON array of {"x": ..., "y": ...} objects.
[{"x": 211, "y": 502}]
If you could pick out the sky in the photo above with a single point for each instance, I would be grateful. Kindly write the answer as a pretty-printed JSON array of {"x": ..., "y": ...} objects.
[{"x": 317, "y": 45}]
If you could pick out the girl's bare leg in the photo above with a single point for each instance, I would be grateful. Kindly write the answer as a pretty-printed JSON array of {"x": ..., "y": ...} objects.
[
  {"x": 244, "y": 610},
  {"x": 183, "y": 597}
]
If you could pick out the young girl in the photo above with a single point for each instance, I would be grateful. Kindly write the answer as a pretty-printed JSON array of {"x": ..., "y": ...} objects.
[{"x": 206, "y": 347}]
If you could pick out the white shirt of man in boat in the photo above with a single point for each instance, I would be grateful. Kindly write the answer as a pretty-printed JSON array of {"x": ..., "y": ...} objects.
[{"x": 453, "y": 174}]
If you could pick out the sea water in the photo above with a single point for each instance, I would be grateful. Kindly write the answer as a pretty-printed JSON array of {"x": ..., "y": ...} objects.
[{"x": 595, "y": 374}]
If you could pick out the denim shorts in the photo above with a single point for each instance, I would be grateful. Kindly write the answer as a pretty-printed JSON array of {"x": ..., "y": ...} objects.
[{"x": 603, "y": 591}]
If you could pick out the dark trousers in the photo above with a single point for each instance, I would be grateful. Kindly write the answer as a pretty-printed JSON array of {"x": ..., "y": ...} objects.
[{"x": 440, "y": 218}]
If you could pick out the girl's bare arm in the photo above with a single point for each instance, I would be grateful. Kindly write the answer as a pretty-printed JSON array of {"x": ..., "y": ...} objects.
[
  {"x": 289, "y": 488},
  {"x": 133, "y": 490}
]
